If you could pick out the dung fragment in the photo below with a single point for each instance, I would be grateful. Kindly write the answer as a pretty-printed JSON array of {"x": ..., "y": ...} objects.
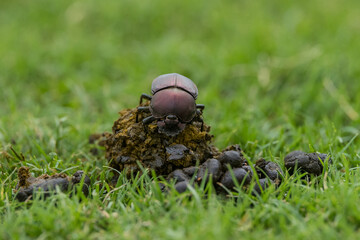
[
  {"x": 94, "y": 137},
  {"x": 240, "y": 175},
  {"x": 46, "y": 184},
  {"x": 76, "y": 179},
  {"x": 249, "y": 170},
  {"x": 178, "y": 175},
  {"x": 306, "y": 162},
  {"x": 181, "y": 186},
  {"x": 211, "y": 168},
  {"x": 178, "y": 154},
  {"x": 269, "y": 169},
  {"x": 190, "y": 171},
  {"x": 261, "y": 186},
  {"x": 25, "y": 179},
  {"x": 234, "y": 158}
]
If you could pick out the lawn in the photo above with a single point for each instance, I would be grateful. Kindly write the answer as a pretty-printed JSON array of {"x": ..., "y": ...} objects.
[{"x": 275, "y": 76}]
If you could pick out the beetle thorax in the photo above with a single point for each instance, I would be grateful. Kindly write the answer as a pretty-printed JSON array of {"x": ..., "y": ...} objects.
[{"x": 174, "y": 80}]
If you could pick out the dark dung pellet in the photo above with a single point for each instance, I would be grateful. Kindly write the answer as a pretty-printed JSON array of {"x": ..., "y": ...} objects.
[
  {"x": 176, "y": 152},
  {"x": 305, "y": 162},
  {"x": 76, "y": 179},
  {"x": 45, "y": 187},
  {"x": 190, "y": 171},
  {"x": 210, "y": 167},
  {"x": 178, "y": 175},
  {"x": 46, "y": 184},
  {"x": 157, "y": 162},
  {"x": 233, "y": 158},
  {"x": 240, "y": 174},
  {"x": 249, "y": 170},
  {"x": 263, "y": 183},
  {"x": 269, "y": 169},
  {"x": 181, "y": 186}
]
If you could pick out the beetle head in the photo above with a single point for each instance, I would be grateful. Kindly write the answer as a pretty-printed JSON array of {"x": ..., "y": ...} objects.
[{"x": 170, "y": 125}]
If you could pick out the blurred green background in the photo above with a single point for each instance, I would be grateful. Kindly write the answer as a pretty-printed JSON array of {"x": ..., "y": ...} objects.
[
  {"x": 284, "y": 73},
  {"x": 275, "y": 76}
]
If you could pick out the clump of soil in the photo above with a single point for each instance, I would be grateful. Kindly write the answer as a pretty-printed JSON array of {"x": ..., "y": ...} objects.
[
  {"x": 28, "y": 185},
  {"x": 131, "y": 141}
]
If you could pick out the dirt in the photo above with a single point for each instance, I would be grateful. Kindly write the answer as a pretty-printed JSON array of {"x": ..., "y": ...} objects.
[{"x": 29, "y": 185}]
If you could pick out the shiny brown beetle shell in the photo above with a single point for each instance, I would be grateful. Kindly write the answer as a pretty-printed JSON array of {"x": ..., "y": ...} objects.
[{"x": 174, "y": 80}]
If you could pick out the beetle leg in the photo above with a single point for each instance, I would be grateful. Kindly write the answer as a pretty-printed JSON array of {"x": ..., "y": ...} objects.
[
  {"x": 141, "y": 109},
  {"x": 146, "y": 96},
  {"x": 201, "y": 107},
  {"x": 146, "y": 121},
  {"x": 198, "y": 118}
]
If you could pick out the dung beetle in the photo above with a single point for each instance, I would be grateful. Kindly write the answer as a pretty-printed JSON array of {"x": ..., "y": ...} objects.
[{"x": 172, "y": 104}]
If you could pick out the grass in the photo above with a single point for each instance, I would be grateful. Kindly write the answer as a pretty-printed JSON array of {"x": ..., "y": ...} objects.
[{"x": 275, "y": 76}]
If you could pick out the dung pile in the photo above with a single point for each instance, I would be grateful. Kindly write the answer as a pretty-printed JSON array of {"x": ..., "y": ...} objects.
[
  {"x": 227, "y": 172},
  {"x": 131, "y": 141},
  {"x": 189, "y": 158}
]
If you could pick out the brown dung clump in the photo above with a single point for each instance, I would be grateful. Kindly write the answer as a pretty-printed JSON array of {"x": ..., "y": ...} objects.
[
  {"x": 47, "y": 184},
  {"x": 130, "y": 142},
  {"x": 25, "y": 178}
]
